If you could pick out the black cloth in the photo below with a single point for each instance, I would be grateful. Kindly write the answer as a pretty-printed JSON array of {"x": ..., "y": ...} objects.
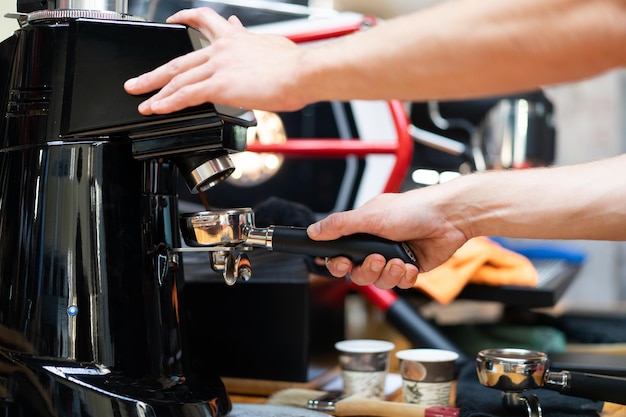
[{"x": 476, "y": 400}]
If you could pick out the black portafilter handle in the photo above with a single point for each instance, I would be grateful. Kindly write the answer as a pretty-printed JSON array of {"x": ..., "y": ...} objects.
[
  {"x": 592, "y": 386},
  {"x": 355, "y": 247}
]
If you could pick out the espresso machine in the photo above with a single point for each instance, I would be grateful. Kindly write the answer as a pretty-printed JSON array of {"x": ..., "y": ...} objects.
[{"x": 90, "y": 303}]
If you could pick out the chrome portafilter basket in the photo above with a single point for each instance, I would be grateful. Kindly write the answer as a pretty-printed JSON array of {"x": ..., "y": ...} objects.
[
  {"x": 228, "y": 234},
  {"x": 221, "y": 233},
  {"x": 514, "y": 371}
]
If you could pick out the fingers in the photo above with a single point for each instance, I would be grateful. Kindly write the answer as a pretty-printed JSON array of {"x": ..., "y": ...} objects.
[
  {"x": 188, "y": 68},
  {"x": 190, "y": 88},
  {"x": 339, "y": 266},
  {"x": 374, "y": 270},
  {"x": 206, "y": 20},
  {"x": 181, "y": 79}
]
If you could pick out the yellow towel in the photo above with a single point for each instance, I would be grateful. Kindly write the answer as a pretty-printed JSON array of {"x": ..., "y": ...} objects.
[{"x": 479, "y": 261}]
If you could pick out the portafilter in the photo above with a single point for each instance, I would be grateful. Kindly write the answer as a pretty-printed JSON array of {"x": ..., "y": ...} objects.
[
  {"x": 514, "y": 371},
  {"x": 222, "y": 232}
]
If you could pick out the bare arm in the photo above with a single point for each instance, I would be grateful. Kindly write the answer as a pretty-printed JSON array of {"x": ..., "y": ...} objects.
[
  {"x": 468, "y": 48},
  {"x": 585, "y": 201},
  {"x": 459, "y": 49}
]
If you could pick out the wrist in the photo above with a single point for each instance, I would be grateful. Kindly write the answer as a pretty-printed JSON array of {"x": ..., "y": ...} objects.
[
  {"x": 464, "y": 205},
  {"x": 330, "y": 72},
  {"x": 310, "y": 75}
]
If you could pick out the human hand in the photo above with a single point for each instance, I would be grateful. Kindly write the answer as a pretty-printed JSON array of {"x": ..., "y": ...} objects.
[
  {"x": 239, "y": 69},
  {"x": 404, "y": 217}
]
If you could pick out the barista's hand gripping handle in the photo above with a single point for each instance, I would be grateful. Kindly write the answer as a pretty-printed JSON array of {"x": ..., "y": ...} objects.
[
  {"x": 355, "y": 247},
  {"x": 592, "y": 386}
]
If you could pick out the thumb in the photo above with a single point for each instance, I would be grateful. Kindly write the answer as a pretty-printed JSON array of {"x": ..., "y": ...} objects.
[
  {"x": 328, "y": 228},
  {"x": 234, "y": 20}
]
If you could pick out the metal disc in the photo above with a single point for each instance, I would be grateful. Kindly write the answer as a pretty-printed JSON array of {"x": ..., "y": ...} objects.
[{"x": 270, "y": 410}]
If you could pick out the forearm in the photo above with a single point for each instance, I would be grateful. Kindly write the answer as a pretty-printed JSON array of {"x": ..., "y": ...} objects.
[
  {"x": 466, "y": 48},
  {"x": 586, "y": 201}
]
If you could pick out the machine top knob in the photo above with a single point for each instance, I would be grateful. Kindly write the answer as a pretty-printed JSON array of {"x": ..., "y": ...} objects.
[
  {"x": 27, "y": 6},
  {"x": 120, "y": 6},
  {"x": 62, "y": 14}
]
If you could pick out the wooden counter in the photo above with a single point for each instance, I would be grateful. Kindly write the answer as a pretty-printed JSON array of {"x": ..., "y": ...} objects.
[{"x": 376, "y": 328}]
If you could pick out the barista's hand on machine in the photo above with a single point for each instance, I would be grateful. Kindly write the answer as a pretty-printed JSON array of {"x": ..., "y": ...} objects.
[
  {"x": 433, "y": 239},
  {"x": 216, "y": 73}
]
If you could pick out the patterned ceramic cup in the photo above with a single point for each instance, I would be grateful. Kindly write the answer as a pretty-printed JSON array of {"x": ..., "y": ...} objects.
[
  {"x": 427, "y": 375},
  {"x": 364, "y": 364}
]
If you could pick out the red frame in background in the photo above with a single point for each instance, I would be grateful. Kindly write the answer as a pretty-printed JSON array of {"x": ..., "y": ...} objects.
[{"x": 402, "y": 148}]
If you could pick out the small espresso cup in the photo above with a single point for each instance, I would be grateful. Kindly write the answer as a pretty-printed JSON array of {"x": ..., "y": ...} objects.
[
  {"x": 364, "y": 365},
  {"x": 427, "y": 375}
]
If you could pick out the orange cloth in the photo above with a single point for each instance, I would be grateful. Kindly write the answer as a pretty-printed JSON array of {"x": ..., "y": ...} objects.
[{"x": 479, "y": 261}]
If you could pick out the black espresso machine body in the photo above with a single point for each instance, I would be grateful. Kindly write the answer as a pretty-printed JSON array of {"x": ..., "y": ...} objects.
[{"x": 90, "y": 305}]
